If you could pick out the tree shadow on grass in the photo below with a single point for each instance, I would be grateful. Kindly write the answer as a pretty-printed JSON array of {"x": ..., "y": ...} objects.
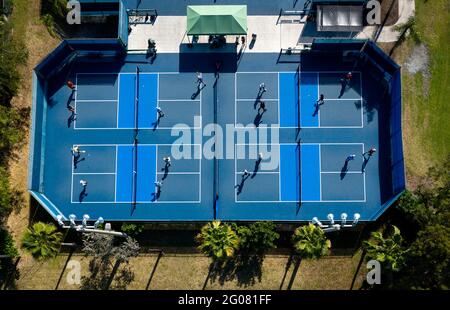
[
  {"x": 245, "y": 269},
  {"x": 9, "y": 273},
  {"x": 102, "y": 276}
]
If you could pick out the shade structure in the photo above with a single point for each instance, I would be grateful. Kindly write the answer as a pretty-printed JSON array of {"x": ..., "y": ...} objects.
[{"x": 217, "y": 20}]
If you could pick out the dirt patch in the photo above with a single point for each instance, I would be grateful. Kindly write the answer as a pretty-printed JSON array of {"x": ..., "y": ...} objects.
[
  {"x": 39, "y": 43},
  {"x": 418, "y": 62},
  {"x": 389, "y": 13}
]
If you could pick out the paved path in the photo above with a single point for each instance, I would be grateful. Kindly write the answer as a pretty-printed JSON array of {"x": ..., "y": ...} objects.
[
  {"x": 388, "y": 34},
  {"x": 169, "y": 32}
]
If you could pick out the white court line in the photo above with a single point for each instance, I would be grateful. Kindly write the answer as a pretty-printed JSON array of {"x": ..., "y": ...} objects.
[
  {"x": 118, "y": 101},
  {"x": 304, "y": 143},
  {"x": 178, "y": 100},
  {"x": 339, "y": 172},
  {"x": 117, "y": 73},
  {"x": 333, "y": 127},
  {"x": 93, "y": 173},
  {"x": 267, "y": 72},
  {"x": 71, "y": 182},
  {"x": 115, "y": 179},
  {"x": 279, "y": 101},
  {"x": 235, "y": 102},
  {"x": 320, "y": 170},
  {"x": 156, "y": 168},
  {"x": 75, "y": 104},
  {"x": 140, "y": 128},
  {"x": 295, "y": 201},
  {"x": 100, "y": 100},
  {"x": 254, "y": 99},
  {"x": 279, "y": 173},
  {"x": 178, "y": 173},
  {"x": 362, "y": 100},
  {"x": 137, "y": 202},
  {"x": 259, "y": 172},
  {"x": 364, "y": 177},
  {"x": 342, "y": 99},
  {"x": 201, "y": 111},
  {"x": 327, "y": 72}
]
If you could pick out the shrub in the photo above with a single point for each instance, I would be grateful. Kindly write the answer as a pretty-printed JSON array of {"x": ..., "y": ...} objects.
[{"x": 310, "y": 242}]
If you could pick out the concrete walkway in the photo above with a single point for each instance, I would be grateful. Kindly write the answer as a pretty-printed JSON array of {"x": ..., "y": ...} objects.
[
  {"x": 169, "y": 32},
  {"x": 406, "y": 9}
]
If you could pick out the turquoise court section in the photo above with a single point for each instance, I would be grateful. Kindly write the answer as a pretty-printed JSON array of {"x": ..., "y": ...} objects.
[
  {"x": 310, "y": 172},
  {"x": 147, "y": 94},
  {"x": 309, "y": 89},
  {"x": 288, "y": 99}
]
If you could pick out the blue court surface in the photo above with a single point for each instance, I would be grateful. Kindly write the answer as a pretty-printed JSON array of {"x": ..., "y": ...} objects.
[{"x": 302, "y": 173}]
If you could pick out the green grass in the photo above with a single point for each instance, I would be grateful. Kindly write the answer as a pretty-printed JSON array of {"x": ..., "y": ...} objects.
[{"x": 427, "y": 126}]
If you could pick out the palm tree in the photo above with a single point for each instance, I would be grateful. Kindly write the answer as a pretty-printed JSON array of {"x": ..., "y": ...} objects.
[
  {"x": 388, "y": 251},
  {"x": 218, "y": 240},
  {"x": 42, "y": 241},
  {"x": 310, "y": 242}
]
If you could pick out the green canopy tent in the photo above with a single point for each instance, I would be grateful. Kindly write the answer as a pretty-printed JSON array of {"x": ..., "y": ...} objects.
[{"x": 217, "y": 20}]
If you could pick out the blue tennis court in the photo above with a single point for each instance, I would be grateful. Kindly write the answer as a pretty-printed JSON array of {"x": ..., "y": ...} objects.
[
  {"x": 107, "y": 101},
  {"x": 179, "y": 138},
  {"x": 124, "y": 143}
]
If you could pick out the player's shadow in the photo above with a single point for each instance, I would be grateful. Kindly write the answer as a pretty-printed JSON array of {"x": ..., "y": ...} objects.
[
  {"x": 70, "y": 99},
  {"x": 71, "y": 119},
  {"x": 259, "y": 95},
  {"x": 155, "y": 195},
  {"x": 166, "y": 171},
  {"x": 256, "y": 168},
  {"x": 77, "y": 159},
  {"x": 83, "y": 194},
  {"x": 197, "y": 92},
  {"x": 344, "y": 170},
  {"x": 156, "y": 124},
  {"x": 365, "y": 162},
  {"x": 344, "y": 86},
  {"x": 240, "y": 186},
  {"x": 316, "y": 109},
  {"x": 258, "y": 119}
]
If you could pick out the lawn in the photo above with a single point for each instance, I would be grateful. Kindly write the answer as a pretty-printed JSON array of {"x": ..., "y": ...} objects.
[
  {"x": 190, "y": 271},
  {"x": 426, "y": 114}
]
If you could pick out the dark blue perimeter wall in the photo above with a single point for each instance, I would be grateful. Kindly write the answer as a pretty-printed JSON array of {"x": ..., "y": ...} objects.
[{"x": 50, "y": 144}]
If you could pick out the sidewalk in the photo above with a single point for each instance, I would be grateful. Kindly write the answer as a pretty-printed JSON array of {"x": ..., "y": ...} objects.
[
  {"x": 169, "y": 32},
  {"x": 388, "y": 34}
]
